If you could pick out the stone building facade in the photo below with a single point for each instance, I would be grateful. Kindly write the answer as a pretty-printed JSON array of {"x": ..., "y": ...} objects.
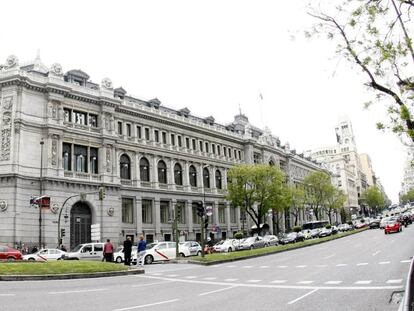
[{"x": 63, "y": 135}]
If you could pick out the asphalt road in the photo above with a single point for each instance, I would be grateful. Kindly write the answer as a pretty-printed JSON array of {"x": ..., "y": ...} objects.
[{"x": 359, "y": 272}]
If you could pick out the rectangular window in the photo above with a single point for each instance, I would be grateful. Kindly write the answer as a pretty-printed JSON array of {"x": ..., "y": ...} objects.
[
  {"x": 224, "y": 151},
  {"x": 67, "y": 115},
  {"x": 187, "y": 143},
  {"x": 239, "y": 154},
  {"x": 196, "y": 218},
  {"x": 127, "y": 210},
  {"x": 235, "y": 153},
  {"x": 233, "y": 218},
  {"x": 164, "y": 137},
  {"x": 128, "y": 130},
  {"x": 218, "y": 150},
  {"x": 201, "y": 145},
  {"x": 180, "y": 212},
  {"x": 93, "y": 120},
  {"x": 119, "y": 128},
  {"x": 139, "y": 134},
  {"x": 229, "y": 152},
  {"x": 222, "y": 213},
  {"x": 213, "y": 148},
  {"x": 93, "y": 160},
  {"x": 206, "y": 145},
  {"x": 79, "y": 117},
  {"x": 194, "y": 144},
  {"x": 165, "y": 212},
  {"x": 173, "y": 139},
  {"x": 157, "y": 136},
  {"x": 147, "y": 211},
  {"x": 67, "y": 156},
  {"x": 147, "y": 134},
  {"x": 81, "y": 154}
]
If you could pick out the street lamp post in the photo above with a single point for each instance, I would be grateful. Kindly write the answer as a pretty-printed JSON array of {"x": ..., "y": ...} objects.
[
  {"x": 60, "y": 215},
  {"x": 41, "y": 192}
]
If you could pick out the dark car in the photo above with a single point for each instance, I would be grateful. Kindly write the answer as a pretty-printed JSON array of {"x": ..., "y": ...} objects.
[
  {"x": 9, "y": 254},
  {"x": 374, "y": 224},
  {"x": 289, "y": 238}
]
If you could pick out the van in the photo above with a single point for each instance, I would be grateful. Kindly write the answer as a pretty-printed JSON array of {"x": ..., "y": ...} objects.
[{"x": 86, "y": 251}]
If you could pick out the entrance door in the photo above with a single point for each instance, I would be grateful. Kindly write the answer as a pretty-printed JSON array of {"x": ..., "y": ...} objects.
[{"x": 80, "y": 224}]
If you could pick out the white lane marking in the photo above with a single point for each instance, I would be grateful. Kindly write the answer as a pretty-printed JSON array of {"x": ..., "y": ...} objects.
[
  {"x": 305, "y": 282},
  {"x": 405, "y": 261},
  {"x": 172, "y": 275},
  {"x": 341, "y": 264},
  {"x": 216, "y": 291},
  {"x": 148, "y": 305},
  {"x": 282, "y": 267},
  {"x": 230, "y": 280},
  {"x": 327, "y": 257},
  {"x": 303, "y": 296},
  {"x": 157, "y": 273},
  {"x": 363, "y": 282},
  {"x": 333, "y": 282},
  {"x": 301, "y": 266},
  {"x": 247, "y": 267},
  {"x": 7, "y": 295},
  {"x": 210, "y": 278},
  {"x": 383, "y": 262},
  {"x": 394, "y": 281},
  {"x": 148, "y": 284},
  {"x": 231, "y": 266},
  {"x": 263, "y": 267},
  {"x": 278, "y": 281},
  {"x": 362, "y": 264},
  {"x": 274, "y": 285},
  {"x": 321, "y": 266},
  {"x": 254, "y": 281},
  {"x": 376, "y": 253},
  {"x": 79, "y": 291},
  {"x": 190, "y": 277}
]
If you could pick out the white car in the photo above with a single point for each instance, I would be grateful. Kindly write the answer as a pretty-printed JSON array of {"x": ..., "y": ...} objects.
[
  {"x": 45, "y": 255},
  {"x": 189, "y": 248},
  {"x": 226, "y": 246},
  {"x": 119, "y": 255},
  {"x": 159, "y": 251}
]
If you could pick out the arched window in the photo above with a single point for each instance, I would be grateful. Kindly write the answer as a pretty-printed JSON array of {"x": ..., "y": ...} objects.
[
  {"x": 144, "y": 170},
  {"x": 125, "y": 167},
  {"x": 206, "y": 178},
  {"x": 218, "y": 179},
  {"x": 193, "y": 176},
  {"x": 178, "y": 174},
  {"x": 162, "y": 172}
]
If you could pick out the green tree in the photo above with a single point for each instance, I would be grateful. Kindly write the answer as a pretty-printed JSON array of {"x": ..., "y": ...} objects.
[
  {"x": 317, "y": 186},
  {"x": 335, "y": 200},
  {"x": 256, "y": 189},
  {"x": 376, "y": 38},
  {"x": 374, "y": 198},
  {"x": 298, "y": 201},
  {"x": 408, "y": 197}
]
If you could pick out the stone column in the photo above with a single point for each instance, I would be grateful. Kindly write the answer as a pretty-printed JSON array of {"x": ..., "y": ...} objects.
[
  {"x": 153, "y": 171},
  {"x": 186, "y": 176},
  {"x": 189, "y": 213},
  {"x": 138, "y": 202},
  {"x": 157, "y": 219},
  {"x": 171, "y": 181},
  {"x": 228, "y": 220}
]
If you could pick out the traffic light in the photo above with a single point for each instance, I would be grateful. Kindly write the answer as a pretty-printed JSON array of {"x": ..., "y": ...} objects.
[
  {"x": 200, "y": 210},
  {"x": 101, "y": 193},
  {"x": 62, "y": 232},
  {"x": 205, "y": 223},
  {"x": 177, "y": 212}
]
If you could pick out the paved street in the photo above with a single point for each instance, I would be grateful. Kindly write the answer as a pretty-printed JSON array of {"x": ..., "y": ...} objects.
[{"x": 359, "y": 272}]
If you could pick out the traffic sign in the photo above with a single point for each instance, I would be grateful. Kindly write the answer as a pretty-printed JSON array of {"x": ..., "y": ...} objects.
[{"x": 209, "y": 210}]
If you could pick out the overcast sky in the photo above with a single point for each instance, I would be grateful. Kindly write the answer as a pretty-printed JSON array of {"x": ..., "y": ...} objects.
[{"x": 211, "y": 57}]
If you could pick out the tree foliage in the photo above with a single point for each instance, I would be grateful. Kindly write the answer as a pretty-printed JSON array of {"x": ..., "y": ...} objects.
[
  {"x": 317, "y": 189},
  {"x": 257, "y": 189},
  {"x": 297, "y": 202},
  {"x": 408, "y": 197},
  {"x": 376, "y": 36},
  {"x": 374, "y": 198},
  {"x": 335, "y": 200}
]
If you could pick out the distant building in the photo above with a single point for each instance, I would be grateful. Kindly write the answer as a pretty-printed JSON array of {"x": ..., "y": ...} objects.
[
  {"x": 408, "y": 175},
  {"x": 366, "y": 167}
]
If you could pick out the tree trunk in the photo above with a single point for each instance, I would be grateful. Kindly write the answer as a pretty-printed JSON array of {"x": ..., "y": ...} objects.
[{"x": 330, "y": 217}]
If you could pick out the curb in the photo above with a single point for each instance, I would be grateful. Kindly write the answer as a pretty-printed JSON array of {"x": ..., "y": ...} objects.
[
  {"x": 211, "y": 263},
  {"x": 69, "y": 276}
]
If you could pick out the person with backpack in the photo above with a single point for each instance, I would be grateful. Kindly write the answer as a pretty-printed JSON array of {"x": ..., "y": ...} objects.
[{"x": 108, "y": 251}]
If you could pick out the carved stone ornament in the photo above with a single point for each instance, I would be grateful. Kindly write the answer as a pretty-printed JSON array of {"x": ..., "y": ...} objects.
[
  {"x": 6, "y": 128},
  {"x": 12, "y": 61},
  {"x": 111, "y": 211},
  {"x": 53, "y": 155},
  {"x": 54, "y": 208},
  {"x": 56, "y": 69},
  {"x": 3, "y": 205},
  {"x": 108, "y": 159},
  {"x": 106, "y": 83}
]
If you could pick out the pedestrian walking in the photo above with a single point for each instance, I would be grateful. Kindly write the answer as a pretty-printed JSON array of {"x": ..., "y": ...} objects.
[
  {"x": 108, "y": 251},
  {"x": 142, "y": 246},
  {"x": 127, "y": 251}
]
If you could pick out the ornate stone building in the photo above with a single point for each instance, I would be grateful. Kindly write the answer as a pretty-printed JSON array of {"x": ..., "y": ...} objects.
[{"x": 62, "y": 135}]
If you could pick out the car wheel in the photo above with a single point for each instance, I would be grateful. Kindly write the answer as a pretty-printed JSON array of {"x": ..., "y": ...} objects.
[
  {"x": 251, "y": 247},
  {"x": 229, "y": 250},
  {"x": 182, "y": 255},
  {"x": 31, "y": 259},
  {"x": 10, "y": 259},
  {"x": 148, "y": 259},
  {"x": 199, "y": 253},
  {"x": 118, "y": 259}
]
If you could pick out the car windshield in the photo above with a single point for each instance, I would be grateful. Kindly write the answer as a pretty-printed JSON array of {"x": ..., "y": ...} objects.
[
  {"x": 151, "y": 245},
  {"x": 252, "y": 239},
  {"x": 77, "y": 248},
  {"x": 119, "y": 249},
  {"x": 291, "y": 235}
]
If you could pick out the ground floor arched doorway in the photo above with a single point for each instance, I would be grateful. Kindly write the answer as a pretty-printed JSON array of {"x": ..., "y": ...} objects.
[{"x": 80, "y": 224}]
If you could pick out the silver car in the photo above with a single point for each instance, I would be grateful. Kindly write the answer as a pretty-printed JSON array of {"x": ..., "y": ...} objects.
[
  {"x": 252, "y": 242},
  {"x": 271, "y": 240}
]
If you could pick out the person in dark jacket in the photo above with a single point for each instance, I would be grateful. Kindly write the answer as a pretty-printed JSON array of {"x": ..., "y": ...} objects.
[
  {"x": 127, "y": 251},
  {"x": 142, "y": 246}
]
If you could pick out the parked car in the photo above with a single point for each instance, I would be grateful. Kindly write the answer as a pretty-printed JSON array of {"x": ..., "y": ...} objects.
[
  {"x": 392, "y": 226},
  {"x": 252, "y": 242},
  {"x": 288, "y": 238},
  {"x": 374, "y": 224},
  {"x": 9, "y": 254},
  {"x": 86, "y": 251},
  {"x": 45, "y": 255},
  {"x": 271, "y": 240},
  {"x": 119, "y": 255},
  {"x": 344, "y": 227},
  {"x": 189, "y": 248},
  {"x": 325, "y": 232},
  {"x": 159, "y": 251},
  {"x": 384, "y": 221},
  {"x": 315, "y": 233},
  {"x": 307, "y": 233},
  {"x": 334, "y": 229},
  {"x": 226, "y": 246},
  {"x": 360, "y": 225}
]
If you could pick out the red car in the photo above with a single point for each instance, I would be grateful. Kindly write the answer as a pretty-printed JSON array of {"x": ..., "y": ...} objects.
[
  {"x": 392, "y": 226},
  {"x": 9, "y": 254}
]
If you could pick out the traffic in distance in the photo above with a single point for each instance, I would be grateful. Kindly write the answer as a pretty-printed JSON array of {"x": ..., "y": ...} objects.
[{"x": 391, "y": 221}]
